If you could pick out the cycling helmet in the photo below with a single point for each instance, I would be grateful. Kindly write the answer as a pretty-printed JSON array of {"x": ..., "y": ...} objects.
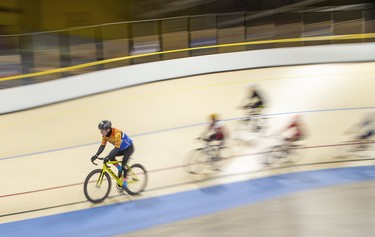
[
  {"x": 105, "y": 124},
  {"x": 252, "y": 85},
  {"x": 213, "y": 116}
]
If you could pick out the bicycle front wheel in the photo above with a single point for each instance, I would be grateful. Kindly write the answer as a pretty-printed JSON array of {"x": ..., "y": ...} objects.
[
  {"x": 198, "y": 161},
  {"x": 276, "y": 154},
  {"x": 97, "y": 186},
  {"x": 137, "y": 179}
]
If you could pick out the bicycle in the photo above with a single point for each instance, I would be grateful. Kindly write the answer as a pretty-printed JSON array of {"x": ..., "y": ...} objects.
[
  {"x": 98, "y": 183},
  {"x": 285, "y": 152},
  {"x": 356, "y": 147},
  {"x": 211, "y": 155},
  {"x": 255, "y": 123}
]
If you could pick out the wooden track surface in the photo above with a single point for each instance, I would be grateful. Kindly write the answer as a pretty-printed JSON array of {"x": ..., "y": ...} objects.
[{"x": 45, "y": 152}]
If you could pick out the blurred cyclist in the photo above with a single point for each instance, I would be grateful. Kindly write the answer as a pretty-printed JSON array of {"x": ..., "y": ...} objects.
[
  {"x": 253, "y": 103},
  {"x": 365, "y": 129},
  {"x": 123, "y": 146},
  {"x": 294, "y": 131},
  {"x": 215, "y": 130}
]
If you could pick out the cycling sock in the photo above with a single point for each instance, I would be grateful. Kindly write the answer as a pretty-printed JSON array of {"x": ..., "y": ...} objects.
[{"x": 118, "y": 166}]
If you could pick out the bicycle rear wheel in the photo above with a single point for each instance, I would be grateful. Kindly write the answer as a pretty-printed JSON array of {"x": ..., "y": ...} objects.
[
  {"x": 137, "y": 179},
  {"x": 97, "y": 186}
]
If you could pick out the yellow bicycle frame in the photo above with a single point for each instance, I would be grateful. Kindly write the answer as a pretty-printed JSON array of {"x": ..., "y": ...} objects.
[{"x": 105, "y": 169}]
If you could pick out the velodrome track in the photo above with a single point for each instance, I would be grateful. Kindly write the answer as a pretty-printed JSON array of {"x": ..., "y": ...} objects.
[{"x": 46, "y": 151}]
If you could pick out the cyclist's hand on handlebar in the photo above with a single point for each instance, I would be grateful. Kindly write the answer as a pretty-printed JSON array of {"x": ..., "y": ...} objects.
[
  {"x": 94, "y": 158},
  {"x": 106, "y": 159}
]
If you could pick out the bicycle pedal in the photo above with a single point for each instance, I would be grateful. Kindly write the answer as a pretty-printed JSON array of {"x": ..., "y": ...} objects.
[{"x": 119, "y": 188}]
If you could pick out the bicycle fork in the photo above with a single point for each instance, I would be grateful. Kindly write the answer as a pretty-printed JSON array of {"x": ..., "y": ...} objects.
[{"x": 100, "y": 179}]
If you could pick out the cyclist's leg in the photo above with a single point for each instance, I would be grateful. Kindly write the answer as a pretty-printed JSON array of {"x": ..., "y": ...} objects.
[
  {"x": 257, "y": 107},
  {"x": 254, "y": 113},
  {"x": 365, "y": 135},
  {"x": 363, "y": 138},
  {"x": 292, "y": 145},
  {"x": 220, "y": 138},
  {"x": 118, "y": 166},
  {"x": 211, "y": 138},
  {"x": 288, "y": 142},
  {"x": 126, "y": 155},
  {"x": 248, "y": 110},
  {"x": 221, "y": 145}
]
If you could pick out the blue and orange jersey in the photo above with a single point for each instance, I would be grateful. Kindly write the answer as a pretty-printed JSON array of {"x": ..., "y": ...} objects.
[{"x": 117, "y": 138}]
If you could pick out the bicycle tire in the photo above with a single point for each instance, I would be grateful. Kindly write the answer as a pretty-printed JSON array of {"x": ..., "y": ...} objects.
[
  {"x": 276, "y": 154},
  {"x": 91, "y": 190},
  {"x": 198, "y": 161},
  {"x": 351, "y": 149},
  {"x": 137, "y": 178}
]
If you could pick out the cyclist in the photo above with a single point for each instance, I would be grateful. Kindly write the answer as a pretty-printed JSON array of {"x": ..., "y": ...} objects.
[
  {"x": 365, "y": 129},
  {"x": 123, "y": 146},
  {"x": 294, "y": 131},
  {"x": 215, "y": 130},
  {"x": 253, "y": 102}
]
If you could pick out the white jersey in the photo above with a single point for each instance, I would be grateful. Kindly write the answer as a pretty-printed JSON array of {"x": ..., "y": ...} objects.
[{"x": 217, "y": 126}]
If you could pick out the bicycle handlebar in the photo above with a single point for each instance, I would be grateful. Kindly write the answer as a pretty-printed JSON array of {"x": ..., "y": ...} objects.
[
  {"x": 99, "y": 158},
  {"x": 102, "y": 158},
  {"x": 202, "y": 139}
]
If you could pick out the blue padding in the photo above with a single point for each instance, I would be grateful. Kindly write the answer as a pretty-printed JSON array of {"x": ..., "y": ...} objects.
[{"x": 135, "y": 215}]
